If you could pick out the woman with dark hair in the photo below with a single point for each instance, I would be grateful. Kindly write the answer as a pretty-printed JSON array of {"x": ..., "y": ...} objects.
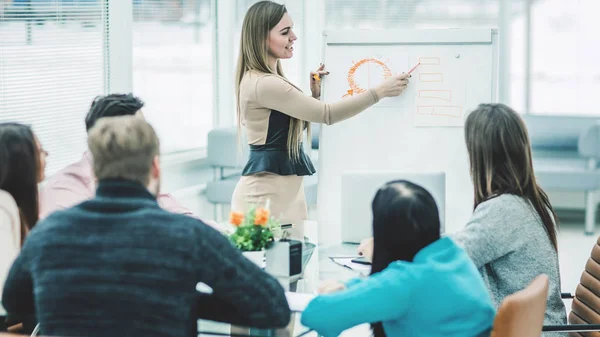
[
  {"x": 512, "y": 235},
  {"x": 419, "y": 284},
  {"x": 22, "y": 163}
]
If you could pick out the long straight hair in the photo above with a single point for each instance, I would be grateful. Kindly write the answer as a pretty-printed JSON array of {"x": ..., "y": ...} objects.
[
  {"x": 405, "y": 220},
  {"x": 20, "y": 171},
  {"x": 500, "y": 161},
  {"x": 254, "y": 55}
]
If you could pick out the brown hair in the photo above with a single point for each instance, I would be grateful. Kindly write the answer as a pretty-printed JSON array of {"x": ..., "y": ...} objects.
[
  {"x": 20, "y": 171},
  {"x": 258, "y": 21},
  {"x": 123, "y": 147},
  {"x": 500, "y": 160}
]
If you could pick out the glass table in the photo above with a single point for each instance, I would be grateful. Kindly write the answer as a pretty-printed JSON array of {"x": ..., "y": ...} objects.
[
  {"x": 307, "y": 283},
  {"x": 318, "y": 268}
]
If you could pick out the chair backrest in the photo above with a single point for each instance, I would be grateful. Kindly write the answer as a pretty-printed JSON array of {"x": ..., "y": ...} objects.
[
  {"x": 589, "y": 141},
  {"x": 556, "y": 132},
  {"x": 522, "y": 313},
  {"x": 223, "y": 149},
  {"x": 586, "y": 303}
]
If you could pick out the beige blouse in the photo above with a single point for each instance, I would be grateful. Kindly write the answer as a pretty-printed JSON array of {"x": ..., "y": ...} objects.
[{"x": 10, "y": 236}]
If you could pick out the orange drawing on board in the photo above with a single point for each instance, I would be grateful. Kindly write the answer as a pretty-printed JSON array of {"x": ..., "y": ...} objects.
[
  {"x": 429, "y": 61},
  {"x": 431, "y": 77},
  {"x": 354, "y": 88},
  {"x": 448, "y": 111},
  {"x": 434, "y": 75},
  {"x": 444, "y": 95}
]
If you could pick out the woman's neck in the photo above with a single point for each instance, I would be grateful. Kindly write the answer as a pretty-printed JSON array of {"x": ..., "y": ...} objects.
[{"x": 273, "y": 64}]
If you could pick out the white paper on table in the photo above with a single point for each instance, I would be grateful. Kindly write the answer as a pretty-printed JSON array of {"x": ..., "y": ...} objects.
[
  {"x": 298, "y": 301},
  {"x": 347, "y": 262}
]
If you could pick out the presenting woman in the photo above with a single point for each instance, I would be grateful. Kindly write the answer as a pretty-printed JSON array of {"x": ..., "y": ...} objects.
[{"x": 275, "y": 114}]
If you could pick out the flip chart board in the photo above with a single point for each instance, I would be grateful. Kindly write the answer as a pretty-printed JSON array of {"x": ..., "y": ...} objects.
[{"x": 419, "y": 131}]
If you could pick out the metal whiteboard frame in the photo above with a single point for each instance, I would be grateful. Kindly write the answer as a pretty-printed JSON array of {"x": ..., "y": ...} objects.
[{"x": 471, "y": 36}]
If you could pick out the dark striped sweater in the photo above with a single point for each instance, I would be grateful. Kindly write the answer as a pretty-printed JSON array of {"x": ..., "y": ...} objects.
[{"x": 120, "y": 265}]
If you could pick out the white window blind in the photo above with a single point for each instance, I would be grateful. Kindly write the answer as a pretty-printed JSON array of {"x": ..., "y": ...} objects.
[
  {"x": 173, "y": 69},
  {"x": 382, "y": 14},
  {"x": 423, "y": 14},
  {"x": 564, "y": 61},
  {"x": 52, "y": 65}
]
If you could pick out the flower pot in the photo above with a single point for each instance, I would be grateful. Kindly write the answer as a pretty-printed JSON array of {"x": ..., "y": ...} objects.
[{"x": 258, "y": 257}]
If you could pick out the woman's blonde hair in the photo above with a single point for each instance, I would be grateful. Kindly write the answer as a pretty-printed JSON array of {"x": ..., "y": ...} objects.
[{"x": 254, "y": 55}]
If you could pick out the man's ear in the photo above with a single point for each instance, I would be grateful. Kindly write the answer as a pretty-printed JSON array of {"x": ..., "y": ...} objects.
[{"x": 155, "y": 172}]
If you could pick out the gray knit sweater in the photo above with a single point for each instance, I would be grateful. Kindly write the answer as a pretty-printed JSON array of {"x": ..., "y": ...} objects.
[{"x": 509, "y": 244}]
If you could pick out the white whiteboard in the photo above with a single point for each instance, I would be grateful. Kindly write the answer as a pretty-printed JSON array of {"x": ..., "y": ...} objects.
[{"x": 420, "y": 131}]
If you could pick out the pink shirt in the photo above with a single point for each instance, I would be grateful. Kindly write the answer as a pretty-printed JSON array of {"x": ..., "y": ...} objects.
[{"x": 76, "y": 183}]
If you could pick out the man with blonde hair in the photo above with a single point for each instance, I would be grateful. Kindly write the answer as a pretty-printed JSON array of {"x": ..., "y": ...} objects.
[{"x": 118, "y": 264}]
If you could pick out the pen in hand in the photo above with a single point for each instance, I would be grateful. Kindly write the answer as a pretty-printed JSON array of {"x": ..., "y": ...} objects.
[{"x": 413, "y": 68}]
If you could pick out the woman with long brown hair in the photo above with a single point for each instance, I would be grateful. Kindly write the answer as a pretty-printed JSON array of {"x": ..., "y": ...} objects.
[
  {"x": 22, "y": 163},
  {"x": 512, "y": 234},
  {"x": 275, "y": 114}
]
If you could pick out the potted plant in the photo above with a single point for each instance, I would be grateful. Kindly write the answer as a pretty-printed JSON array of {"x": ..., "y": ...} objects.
[{"x": 254, "y": 232}]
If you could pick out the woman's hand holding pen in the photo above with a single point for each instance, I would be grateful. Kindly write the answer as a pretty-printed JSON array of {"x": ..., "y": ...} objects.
[
  {"x": 315, "y": 80},
  {"x": 392, "y": 86}
]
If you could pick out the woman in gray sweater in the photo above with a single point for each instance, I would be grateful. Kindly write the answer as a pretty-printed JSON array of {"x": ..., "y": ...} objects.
[{"x": 512, "y": 235}]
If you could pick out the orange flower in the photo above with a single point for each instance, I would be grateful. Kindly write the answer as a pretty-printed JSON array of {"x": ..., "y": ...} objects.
[
  {"x": 236, "y": 218},
  {"x": 261, "y": 217}
]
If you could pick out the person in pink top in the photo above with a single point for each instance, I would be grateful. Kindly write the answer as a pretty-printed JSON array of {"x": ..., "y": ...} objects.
[{"x": 76, "y": 183}]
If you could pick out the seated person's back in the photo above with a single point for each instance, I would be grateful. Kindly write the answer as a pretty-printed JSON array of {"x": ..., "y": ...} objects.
[
  {"x": 420, "y": 285},
  {"x": 120, "y": 265},
  {"x": 22, "y": 164},
  {"x": 512, "y": 236}
]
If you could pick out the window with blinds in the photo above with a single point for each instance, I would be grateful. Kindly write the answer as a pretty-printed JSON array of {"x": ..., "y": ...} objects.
[
  {"x": 389, "y": 14},
  {"x": 173, "y": 69},
  {"x": 52, "y": 65},
  {"x": 564, "y": 57},
  {"x": 424, "y": 14}
]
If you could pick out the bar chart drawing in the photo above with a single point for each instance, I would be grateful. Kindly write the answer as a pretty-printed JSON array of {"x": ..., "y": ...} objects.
[
  {"x": 444, "y": 95},
  {"x": 431, "y": 77},
  {"x": 449, "y": 111},
  {"x": 437, "y": 100},
  {"x": 429, "y": 61}
]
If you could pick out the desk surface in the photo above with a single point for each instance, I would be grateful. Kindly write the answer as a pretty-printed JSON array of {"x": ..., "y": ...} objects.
[{"x": 318, "y": 269}]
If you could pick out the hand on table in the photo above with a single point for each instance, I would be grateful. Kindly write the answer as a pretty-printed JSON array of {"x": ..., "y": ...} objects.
[
  {"x": 366, "y": 249},
  {"x": 331, "y": 286}
]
